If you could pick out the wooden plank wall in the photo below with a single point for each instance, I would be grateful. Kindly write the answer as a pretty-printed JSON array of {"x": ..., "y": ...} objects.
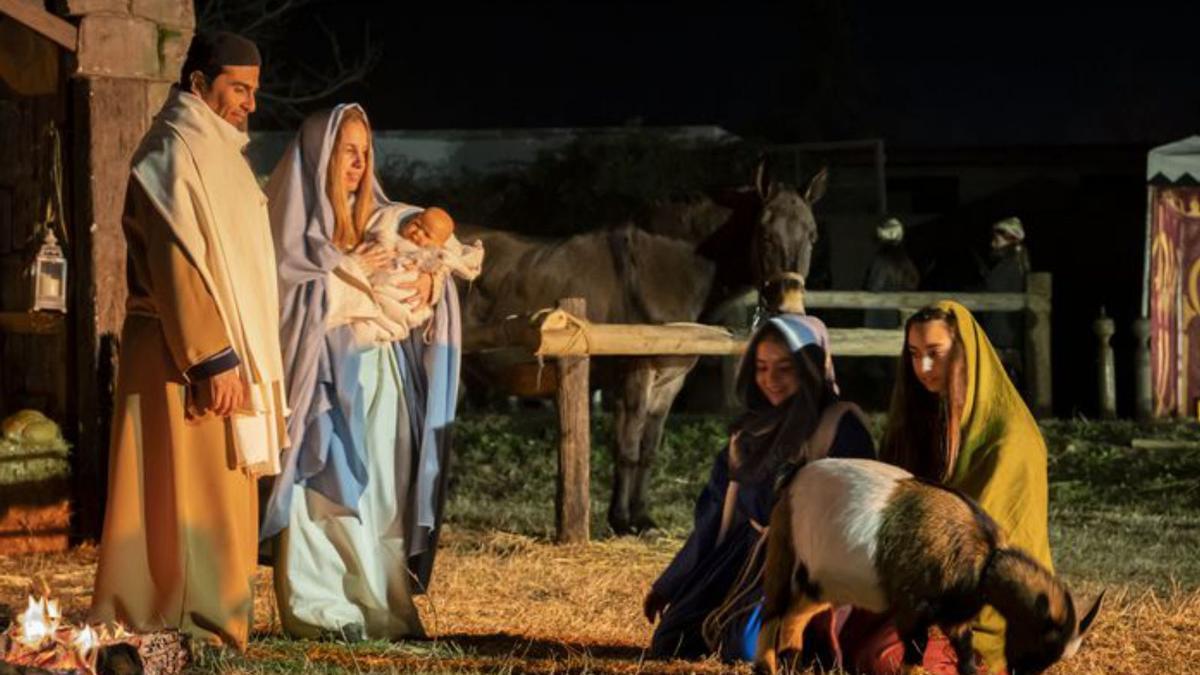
[{"x": 34, "y": 369}]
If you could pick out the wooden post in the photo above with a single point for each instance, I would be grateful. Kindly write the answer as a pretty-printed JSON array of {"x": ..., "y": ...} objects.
[
  {"x": 1106, "y": 378},
  {"x": 572, "y": 498},
  {"x": 1038, "y": 286},
  {"x": 1142, "y": 382}
]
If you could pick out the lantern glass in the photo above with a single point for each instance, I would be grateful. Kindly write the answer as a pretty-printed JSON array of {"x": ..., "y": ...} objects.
[{"x": 50, "y": 278}]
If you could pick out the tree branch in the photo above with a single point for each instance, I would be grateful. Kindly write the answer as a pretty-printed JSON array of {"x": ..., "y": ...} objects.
[{"x": 291, "y": 81}]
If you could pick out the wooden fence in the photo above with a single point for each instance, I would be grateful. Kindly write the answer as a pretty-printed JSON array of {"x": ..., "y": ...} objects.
[{"x": 562, "y": 334}]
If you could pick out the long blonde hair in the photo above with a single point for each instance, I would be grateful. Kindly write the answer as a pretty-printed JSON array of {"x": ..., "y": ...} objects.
[{"x": 349, "y": 227}]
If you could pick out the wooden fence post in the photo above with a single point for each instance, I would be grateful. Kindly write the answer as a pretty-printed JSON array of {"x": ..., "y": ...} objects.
[
  {"x": 1143, "y": 382},
  {"x": 1106, "y": 378},
  {"x": 1038, "y": 287},
  {"x": 573, "y": 496}
]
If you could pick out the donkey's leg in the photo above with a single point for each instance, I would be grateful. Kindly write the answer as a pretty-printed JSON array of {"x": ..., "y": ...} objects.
[
  {"x": 669, "y": 374},
  {"x": 630, "y": 408}
]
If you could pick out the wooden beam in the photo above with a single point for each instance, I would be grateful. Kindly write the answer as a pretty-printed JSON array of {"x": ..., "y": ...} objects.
[
  {"x": 548, "y": 335},
  {"x": 31, "y": 323},
  {"x": 866, "y": 341},
  {"x": 43, "y": 22},
  {"x": 976, "y": 302},
  {"x": 631, "y": 339}
]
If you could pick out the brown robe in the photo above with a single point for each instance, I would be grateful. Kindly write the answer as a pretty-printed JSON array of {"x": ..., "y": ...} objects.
[{"x": 179, "y": 547}]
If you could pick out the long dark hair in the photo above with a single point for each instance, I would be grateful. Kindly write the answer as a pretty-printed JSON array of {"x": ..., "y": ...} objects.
[
  {"x": 924, "y": 429},
  {"x": 767, "y": 435}
]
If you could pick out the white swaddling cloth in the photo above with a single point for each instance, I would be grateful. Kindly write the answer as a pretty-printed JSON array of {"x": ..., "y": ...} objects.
[{"x": 464, "y": 261}]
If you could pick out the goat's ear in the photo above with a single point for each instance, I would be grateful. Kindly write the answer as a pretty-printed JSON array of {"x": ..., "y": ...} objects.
[
  {"x": 1091, "y": 615},
  {"x": 816, "y": 186},
  {"x": 1042, "y": 605}
]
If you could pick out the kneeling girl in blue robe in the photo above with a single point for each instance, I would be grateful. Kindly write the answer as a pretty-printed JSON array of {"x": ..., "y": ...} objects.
[{"x": 709, "y": 598}]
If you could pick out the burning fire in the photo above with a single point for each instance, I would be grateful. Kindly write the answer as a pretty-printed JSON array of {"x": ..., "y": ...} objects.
[
  {"x": 39, "y": 638},
  {"x": 35, "y": 627},
  {"x": 85, "y": 643}
]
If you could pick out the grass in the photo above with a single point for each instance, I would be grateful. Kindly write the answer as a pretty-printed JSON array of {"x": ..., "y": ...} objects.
[
  {"x": 506, "y": 600},
  {"x": 1117, "y": 514}
]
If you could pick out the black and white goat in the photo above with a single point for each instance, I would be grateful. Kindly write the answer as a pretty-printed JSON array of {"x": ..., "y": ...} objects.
[{"x": 868, "y": 534}]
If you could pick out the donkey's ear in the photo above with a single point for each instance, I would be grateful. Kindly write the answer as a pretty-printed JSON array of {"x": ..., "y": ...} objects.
[
  {"x": 816, "y": 186},
  {"x": 762, "y": 181},
  {"x": 1091, "y": 615}
]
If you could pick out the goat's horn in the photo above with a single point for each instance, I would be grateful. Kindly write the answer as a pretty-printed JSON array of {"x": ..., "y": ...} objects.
[{"x": 1091, "y": 615}]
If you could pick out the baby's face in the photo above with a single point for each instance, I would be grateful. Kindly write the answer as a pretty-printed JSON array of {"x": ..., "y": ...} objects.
[{"x": 432, "y": 227}]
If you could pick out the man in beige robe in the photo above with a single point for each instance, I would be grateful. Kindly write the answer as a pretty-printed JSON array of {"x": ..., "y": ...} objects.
[{"x": 199, "y": 410}]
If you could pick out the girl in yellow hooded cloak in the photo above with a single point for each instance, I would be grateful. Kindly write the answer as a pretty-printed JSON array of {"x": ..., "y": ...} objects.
[{"x": 957, "y": 419}]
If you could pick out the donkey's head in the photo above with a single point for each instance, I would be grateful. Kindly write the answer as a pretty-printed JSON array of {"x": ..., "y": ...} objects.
[{"x": 782, "y": 243}]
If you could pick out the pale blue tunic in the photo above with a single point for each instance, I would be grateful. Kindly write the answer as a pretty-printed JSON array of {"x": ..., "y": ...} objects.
[{"x": 336, "y": 568}]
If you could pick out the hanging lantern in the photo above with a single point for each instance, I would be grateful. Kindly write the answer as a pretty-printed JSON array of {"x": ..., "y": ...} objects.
[
  {"x": 49, "y": 269},
  {"x": 49, "y": 276}
]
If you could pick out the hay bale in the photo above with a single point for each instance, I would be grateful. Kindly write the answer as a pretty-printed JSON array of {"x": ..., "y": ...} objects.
[
  {"x": 35, "y": 472},
  {"x": 36, "y": 528}
]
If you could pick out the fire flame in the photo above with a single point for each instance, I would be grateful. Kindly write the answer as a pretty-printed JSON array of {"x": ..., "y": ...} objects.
[
  {"x": 85, "y": 642},
  {"x": 40, "y": 638},
  {"x": 37, "y": 625}
]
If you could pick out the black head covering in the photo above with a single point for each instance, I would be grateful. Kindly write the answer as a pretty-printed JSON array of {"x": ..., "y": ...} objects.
[{"x": 212, "y": 51}]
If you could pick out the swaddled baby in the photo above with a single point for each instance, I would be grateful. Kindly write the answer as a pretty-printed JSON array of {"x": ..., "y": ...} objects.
[{"x": 425, "y": 243}]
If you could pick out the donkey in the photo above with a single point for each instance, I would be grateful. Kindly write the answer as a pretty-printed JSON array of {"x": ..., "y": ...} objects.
[{"x": 628, "y": 275}]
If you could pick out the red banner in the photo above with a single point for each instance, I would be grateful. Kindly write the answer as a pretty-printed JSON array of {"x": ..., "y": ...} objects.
[{"x": 1175, "y": 300}]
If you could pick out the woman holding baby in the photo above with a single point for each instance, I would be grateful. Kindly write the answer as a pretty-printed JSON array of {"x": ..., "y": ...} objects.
[{"x": 372, "y": 387}]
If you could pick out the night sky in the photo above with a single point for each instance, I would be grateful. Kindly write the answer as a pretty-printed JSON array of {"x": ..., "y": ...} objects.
[{"x": 807, "y": 71}]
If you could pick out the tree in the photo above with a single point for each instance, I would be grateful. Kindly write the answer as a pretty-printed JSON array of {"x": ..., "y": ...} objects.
[{"x": 297, "y": 76}]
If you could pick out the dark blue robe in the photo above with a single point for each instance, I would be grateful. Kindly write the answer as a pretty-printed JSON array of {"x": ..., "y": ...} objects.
[{"x": 700, "y": 577}]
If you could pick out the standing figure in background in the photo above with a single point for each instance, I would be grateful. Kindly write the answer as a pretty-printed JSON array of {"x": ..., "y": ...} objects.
[
  {"x": 200, "y": 406},
  {"x": 1005, "y": 272},
  {"x": 891, "y": 270}
]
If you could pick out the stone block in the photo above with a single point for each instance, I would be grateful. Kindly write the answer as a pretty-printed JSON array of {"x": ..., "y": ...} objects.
[
  {"x": 82, "y": 7},
  {"x": 172, "y": 50},
  {"x": 172, "y": 13},
  {"x": 118, "y": 46}
]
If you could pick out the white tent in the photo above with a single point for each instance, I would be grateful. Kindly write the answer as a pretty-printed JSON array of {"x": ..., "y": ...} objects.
[{"x": 1175, "y": 163}]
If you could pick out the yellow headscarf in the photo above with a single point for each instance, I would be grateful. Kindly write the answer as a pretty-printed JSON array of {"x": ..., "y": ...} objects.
[{"x": 1001, "y": 463}]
